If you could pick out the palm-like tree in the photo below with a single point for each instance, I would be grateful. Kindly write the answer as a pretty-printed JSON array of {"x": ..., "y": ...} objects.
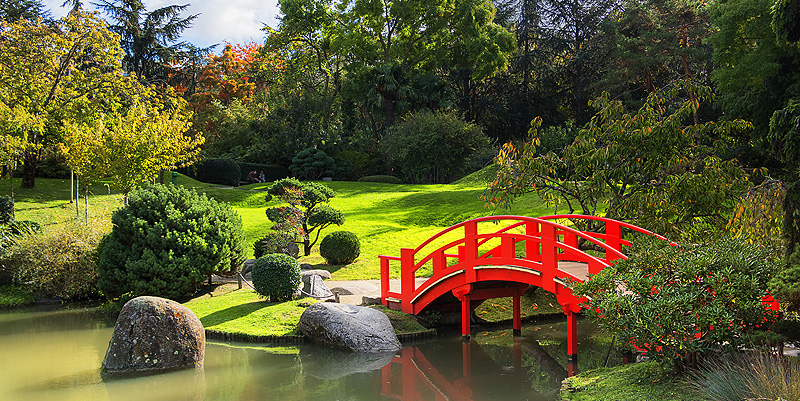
[{"x": 149, "y": 38}]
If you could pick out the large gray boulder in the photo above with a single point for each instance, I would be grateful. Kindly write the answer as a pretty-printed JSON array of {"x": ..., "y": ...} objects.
[
  {"x": 350, "y": 327},
  {"x": 154, "y": 335}
]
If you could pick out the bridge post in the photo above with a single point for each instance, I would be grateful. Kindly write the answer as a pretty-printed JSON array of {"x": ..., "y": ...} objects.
[
  {"x": 406, "y": 280},
  {"x": 572, "y": 343},
  {"x": 549, "y": 257},
  {"x": 613, "y": 237},
  {"x": 470, "y": 249}
]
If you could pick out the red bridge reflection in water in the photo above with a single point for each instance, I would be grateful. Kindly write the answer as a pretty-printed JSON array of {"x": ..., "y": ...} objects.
[{"x": 428, "y": 372}]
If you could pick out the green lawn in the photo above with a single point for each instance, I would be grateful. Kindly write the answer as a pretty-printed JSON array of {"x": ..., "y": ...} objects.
[
  {"x": 385, "y": 217},
  {"x": 245, "y": 312}
]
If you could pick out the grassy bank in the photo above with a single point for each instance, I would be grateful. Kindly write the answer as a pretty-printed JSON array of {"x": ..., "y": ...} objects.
[
  {"x": 633, "y": 382},
  {"x": 385, "y": 217}
]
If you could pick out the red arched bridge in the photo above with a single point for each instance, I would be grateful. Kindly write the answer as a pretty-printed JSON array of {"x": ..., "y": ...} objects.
[{"x": 500, "y": 256}]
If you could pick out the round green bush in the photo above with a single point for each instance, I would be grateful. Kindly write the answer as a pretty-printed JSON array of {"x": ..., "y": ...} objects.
[
  {"x": 166, "y": 242},
  {"x": 340, "y": 248},
  {"x": 276, "y": 276}
]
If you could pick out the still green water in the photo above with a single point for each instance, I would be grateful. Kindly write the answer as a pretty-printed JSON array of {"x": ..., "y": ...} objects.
[{"x": 56, "y": 356}]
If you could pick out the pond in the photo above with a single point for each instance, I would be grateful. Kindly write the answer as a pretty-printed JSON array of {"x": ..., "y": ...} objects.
[{"x": 55, "y": 355}]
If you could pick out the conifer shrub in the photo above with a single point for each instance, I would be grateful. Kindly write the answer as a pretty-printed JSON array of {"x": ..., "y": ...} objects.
[
  {"x": 166, "y": 242},
  {"x": 340, "y": 248},
  {"x": 276, "y": 276}
]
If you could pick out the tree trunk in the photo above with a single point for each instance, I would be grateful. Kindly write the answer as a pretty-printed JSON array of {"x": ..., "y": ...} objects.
[
  {"x": 29, "y": 169},
  {"x": 306, "y": 246}
]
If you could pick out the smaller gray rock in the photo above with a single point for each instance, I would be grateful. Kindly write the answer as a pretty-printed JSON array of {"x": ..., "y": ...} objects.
[
  {"x": 326, "y": 275},
  {"x": 366, "y": 300},
  {"x": 341, "y": 291},
  {"x": 314, "y": 287},
  {"x": 154, "y": 335},
  {"x": 247, "y": 268},
  {"x": 350, "y": 327},
  {"x": 292, "y": 249}
]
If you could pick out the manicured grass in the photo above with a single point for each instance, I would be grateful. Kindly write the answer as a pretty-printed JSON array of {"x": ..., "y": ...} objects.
[
  {"x": 245, "y": 312},
  {"x": 13, "y": 296},
  {"x": 385, "y": 217},
  {"x": 633, "y": 382}
]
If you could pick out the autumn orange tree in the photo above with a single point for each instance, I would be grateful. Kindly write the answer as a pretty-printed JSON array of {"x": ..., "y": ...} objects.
[{"x": 236, "y": 74}]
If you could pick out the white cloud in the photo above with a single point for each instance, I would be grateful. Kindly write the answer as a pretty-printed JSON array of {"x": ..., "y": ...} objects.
[{"x": 235, "y": 21}]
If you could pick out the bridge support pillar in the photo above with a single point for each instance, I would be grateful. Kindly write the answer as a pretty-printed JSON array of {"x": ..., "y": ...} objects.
[
  {"x": 517, "y": 315},
  {"x": 572, "y": 343},
  {"x": 463, "y": 294},
  {"x": 466, "y": 312}
]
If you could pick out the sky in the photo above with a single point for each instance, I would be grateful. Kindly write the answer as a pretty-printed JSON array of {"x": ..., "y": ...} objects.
[{"x": 234, "y": 21}]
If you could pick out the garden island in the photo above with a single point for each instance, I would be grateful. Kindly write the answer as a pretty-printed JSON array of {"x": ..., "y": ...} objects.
[{"x": 427, "y": 199}]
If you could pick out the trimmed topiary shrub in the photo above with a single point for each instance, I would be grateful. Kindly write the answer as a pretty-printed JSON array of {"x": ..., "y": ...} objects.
[
  {"x": 216, "y": 171},
  {"x": 340, "y": 248},
  {"x": 386, "y": 179},
  {"x": 276, "y": 276},
  {"x": 166, "y": 242}
]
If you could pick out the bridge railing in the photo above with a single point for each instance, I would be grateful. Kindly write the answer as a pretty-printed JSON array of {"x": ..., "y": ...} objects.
[{"x": 546, "y": 243}]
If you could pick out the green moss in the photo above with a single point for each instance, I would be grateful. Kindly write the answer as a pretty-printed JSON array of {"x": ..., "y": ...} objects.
[
  {"x": 13, "y": 296},
  {"x": 401, "y": 322},
  {"x": 245, "y": 312},
  {"x": 637, "y": 381}
]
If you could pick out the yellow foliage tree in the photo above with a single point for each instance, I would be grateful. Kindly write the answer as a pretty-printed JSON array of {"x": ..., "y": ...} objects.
[
  {"x": 133, "y": 146},
  {"x": 69, "y": 69}
]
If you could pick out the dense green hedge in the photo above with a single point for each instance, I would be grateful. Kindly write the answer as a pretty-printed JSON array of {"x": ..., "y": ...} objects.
[
  {"x": 215, "y": 171},
  {"x": 271, "y": 172},
  {"x": 166, "y": 242}
]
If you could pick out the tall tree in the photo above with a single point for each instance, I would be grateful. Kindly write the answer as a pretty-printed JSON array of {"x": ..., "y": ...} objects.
[
  {"x": 655, "y": 42},
  {"x": 13, "y": 10},
  {"x": 389, "y": 41},
  {"x": 67, "y": 69},
  {"x": 149, "y": 38}
]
